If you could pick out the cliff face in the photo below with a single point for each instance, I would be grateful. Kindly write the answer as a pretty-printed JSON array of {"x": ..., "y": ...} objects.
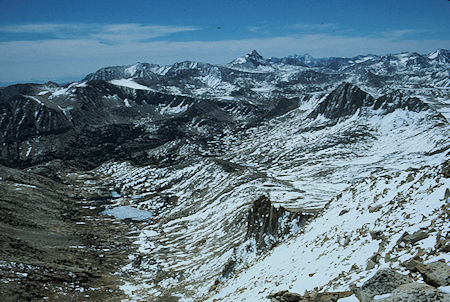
[
  {"x": 268, "y": 224},
  {"x": 345, "y": 100}
]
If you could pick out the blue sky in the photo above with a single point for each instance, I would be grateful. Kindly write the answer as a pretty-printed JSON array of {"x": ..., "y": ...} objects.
[{"x": 64, "y": 40}]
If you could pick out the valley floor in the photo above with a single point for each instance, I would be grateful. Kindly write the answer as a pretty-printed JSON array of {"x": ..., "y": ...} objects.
[{"x": 53, "y": 243}]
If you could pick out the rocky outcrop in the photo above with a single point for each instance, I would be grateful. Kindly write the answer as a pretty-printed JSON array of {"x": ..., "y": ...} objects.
[
  {"x": 23, "y": 116},
  {"x": 396, "y": 100},
  {"x": 435, "y": 274},
  {"x": 383, "y": 282},
  {"x": 347, "y": 99},
  {"x": 416, "y": 292},
  {"x": 385, "y": 286},
  {"x": 267, "y": 224},
  {"x": 344, "y": 101},
  {"x": 286, "y": 296}
]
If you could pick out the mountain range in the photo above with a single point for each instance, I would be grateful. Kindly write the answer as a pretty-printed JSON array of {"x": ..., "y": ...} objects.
[{"x": 264, "y": 178}]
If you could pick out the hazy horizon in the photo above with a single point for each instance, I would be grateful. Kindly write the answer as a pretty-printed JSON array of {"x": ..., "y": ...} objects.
[{"x": 61, "y": 42}]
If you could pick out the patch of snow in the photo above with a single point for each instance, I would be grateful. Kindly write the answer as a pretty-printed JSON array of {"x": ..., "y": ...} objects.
[
  {"x": 130, "y": 71},
  {"x": 114, "y": 194},
  {"x": 168, "y": 109},
  {"x": 129, "y": 84},
  {"x": 35, "y": 99},
  {"x": 444, "y": 289},
  {"x": 380, "y": 297},
  {"x": 25, "y": 185},
  {"x": 60, "y": 92},
  {"x": 351, "y": 298}
]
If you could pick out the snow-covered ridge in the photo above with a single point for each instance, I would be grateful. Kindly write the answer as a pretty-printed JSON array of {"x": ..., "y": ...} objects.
[{"x": 240, "y": 78}]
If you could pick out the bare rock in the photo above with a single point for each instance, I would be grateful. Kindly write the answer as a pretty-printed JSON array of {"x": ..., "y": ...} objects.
[
  {"x": 267, "y": 224},
  {"x": 383, "y": 282},
  {"x": 314, "y": 296},
  {"x": 415, "y": 237},
  {"x": 285, "y": 296},
  {"x": 436, "y": 274},
  {"x": 416, "y": 292}
]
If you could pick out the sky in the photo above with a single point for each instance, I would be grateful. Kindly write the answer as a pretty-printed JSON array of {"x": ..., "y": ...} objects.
[{"x": 62, "y": 40}]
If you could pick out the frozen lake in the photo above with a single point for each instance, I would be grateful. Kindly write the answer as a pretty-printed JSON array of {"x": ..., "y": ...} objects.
[{"x": 125, "y": 212}]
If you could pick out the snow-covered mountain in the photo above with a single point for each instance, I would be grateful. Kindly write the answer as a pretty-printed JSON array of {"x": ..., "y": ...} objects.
[{"x": 253, "y": 177}]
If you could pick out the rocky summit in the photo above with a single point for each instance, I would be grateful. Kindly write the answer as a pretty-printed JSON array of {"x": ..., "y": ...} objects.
[{"x": 264, "y": 179}]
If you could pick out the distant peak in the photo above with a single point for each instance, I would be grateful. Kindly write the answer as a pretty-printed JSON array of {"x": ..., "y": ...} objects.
[
  {"x": 255, "y": 54},
  {"x": 252, "y": 60}
]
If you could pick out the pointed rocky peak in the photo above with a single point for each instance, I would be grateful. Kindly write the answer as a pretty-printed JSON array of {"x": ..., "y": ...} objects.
[
  {"x": 344, "y": 101},
  {"x": 255, "y": 55},
  {"x": 250, "y": 61}
]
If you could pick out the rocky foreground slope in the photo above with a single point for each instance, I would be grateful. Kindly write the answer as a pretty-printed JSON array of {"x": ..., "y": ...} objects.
[{"x": 283, "y": 179}]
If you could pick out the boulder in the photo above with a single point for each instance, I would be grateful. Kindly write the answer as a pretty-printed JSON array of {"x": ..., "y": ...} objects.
[
  {"x": 383, "y": 282},
  {"x": 416, "y": 292},
  {"x": 435, "y": 274},
  {"x": 286, "y": 296},
  {"x": 414, "y": 237}
]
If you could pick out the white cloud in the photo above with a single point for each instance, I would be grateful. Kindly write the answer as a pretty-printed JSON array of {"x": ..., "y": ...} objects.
[
  {"x": 395, "y": 34},
  {"x": 41, "y": 28},
  {"x": 121, "y": 33},
  {"x": 112, "y": 33}
]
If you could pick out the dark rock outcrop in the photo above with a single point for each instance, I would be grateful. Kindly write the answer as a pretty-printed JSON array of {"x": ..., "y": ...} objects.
[
  {"x": 23, "y": 117},
  {"x": 267, "y": 224},
  {"x": 347, "y": 99},
  {"x": 390, "y": 102},
  {"x": 286, "y": 296},
  {"x": 344, "y": 101}
]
